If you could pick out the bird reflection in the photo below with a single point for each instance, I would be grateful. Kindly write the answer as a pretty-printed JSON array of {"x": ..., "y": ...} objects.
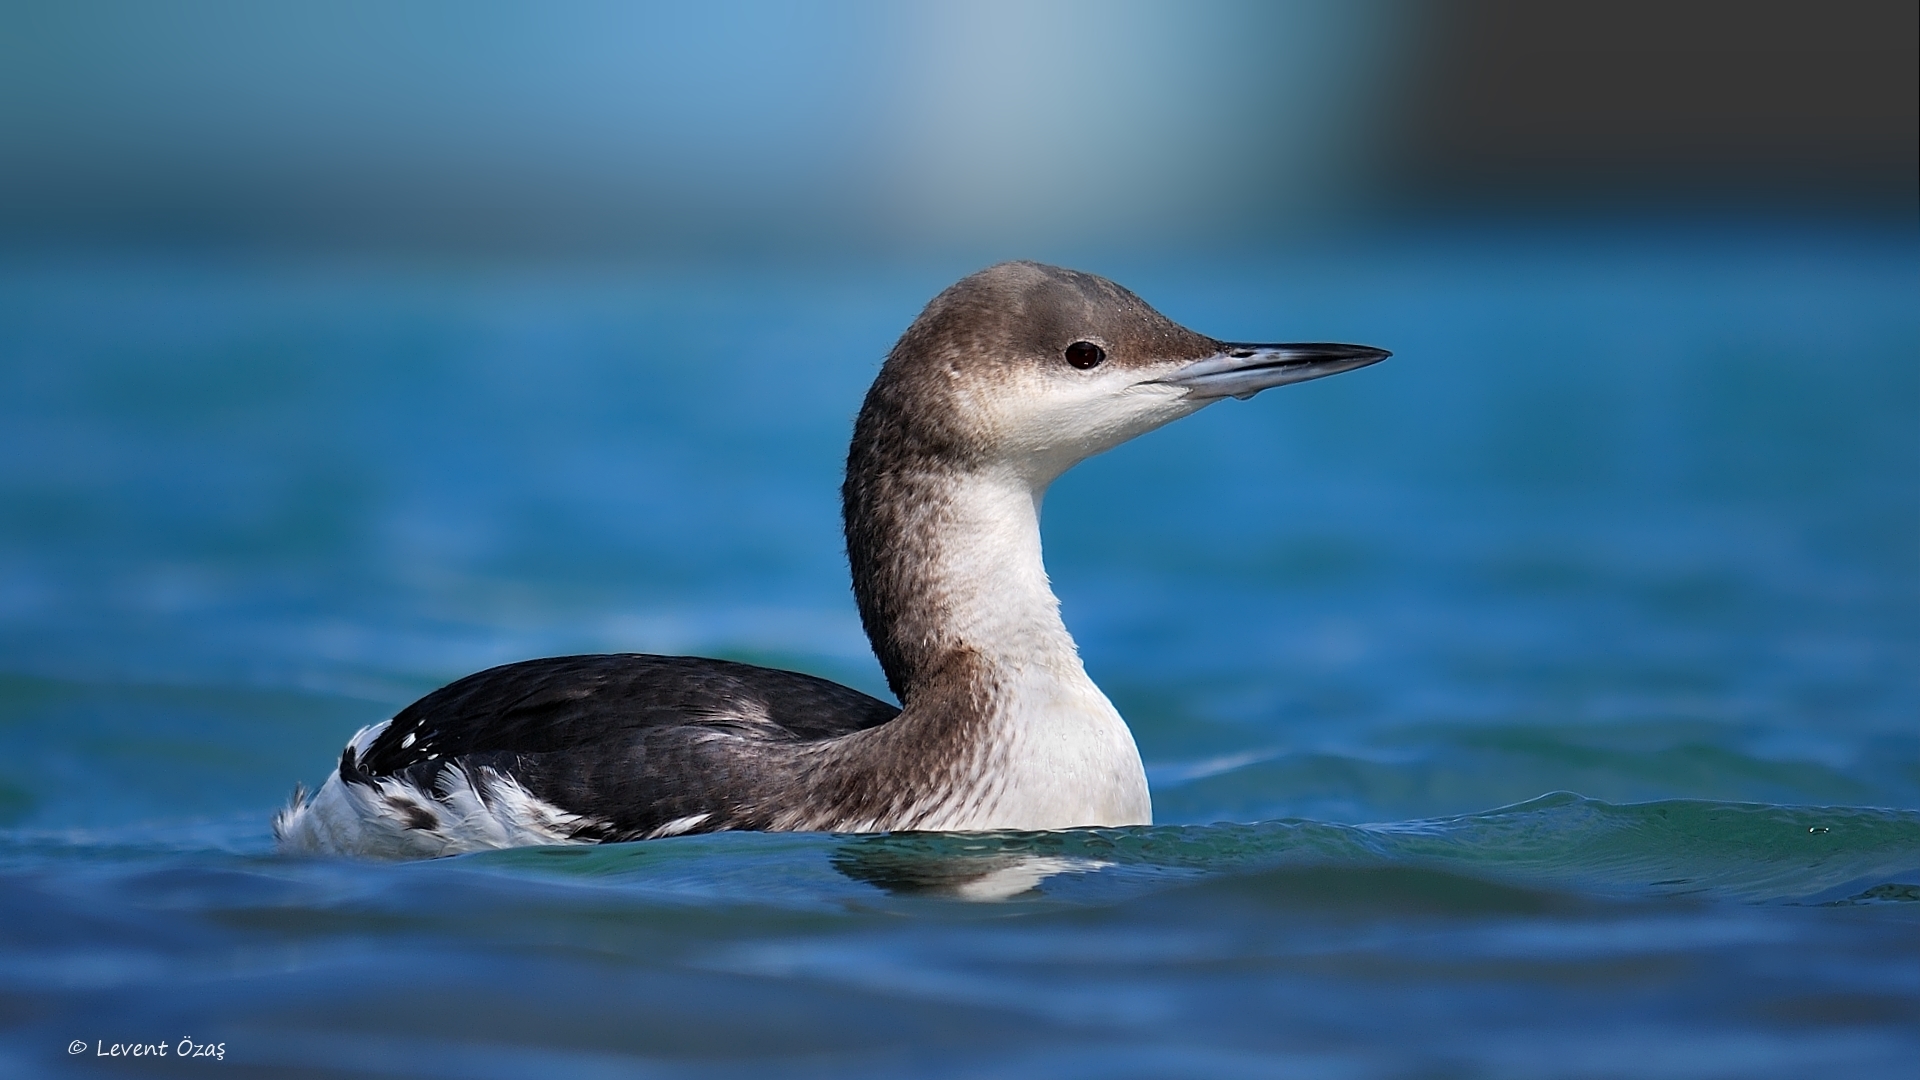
[{"x": 940, "y": 867}]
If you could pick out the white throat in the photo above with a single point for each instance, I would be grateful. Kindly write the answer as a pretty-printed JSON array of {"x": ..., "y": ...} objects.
[
  {"x": 1059, "y": 754},
  {"x": 988, "y": 578}
]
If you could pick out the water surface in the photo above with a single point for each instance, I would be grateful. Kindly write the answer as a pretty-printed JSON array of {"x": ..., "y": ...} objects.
[{"x": 1538, "y": 703}]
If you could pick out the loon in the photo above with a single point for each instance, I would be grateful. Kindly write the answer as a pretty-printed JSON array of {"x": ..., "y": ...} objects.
[{"x": 1007, "y": 379}]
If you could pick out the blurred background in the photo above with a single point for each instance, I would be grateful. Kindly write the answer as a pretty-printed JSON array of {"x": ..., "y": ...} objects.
[
  {"x": 984, "y": 127},
  {"x": 350, "y": 347}
]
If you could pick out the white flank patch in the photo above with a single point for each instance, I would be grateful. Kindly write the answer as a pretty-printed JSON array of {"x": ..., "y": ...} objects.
[
  {"x": 678, "y": 826},
  {"x": 394, "y": 819}
]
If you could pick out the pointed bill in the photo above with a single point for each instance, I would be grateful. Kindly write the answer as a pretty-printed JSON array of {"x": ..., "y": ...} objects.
[{"x": 1240, "y": 370}]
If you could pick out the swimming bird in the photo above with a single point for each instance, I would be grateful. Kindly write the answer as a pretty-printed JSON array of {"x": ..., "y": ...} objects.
[{"x": 1006, "y": 380}]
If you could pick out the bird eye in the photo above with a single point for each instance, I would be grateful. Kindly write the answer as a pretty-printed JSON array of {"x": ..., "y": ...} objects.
[{"x": 1085, "y": 354}]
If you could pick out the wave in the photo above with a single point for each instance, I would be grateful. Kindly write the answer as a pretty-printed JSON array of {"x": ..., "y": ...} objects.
[{"x": 1559, "y": 844}]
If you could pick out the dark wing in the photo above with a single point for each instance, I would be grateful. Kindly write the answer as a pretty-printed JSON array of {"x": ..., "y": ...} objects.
[{"x": 614, "y": 738}]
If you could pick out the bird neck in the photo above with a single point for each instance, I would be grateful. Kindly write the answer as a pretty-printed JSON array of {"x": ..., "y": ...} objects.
[
  {"x": 1000, "y": 725},
  {"x": 947, "y": 571}
]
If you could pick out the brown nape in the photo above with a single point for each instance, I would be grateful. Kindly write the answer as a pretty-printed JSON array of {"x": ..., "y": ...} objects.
[{"x": 914, "y": 431}]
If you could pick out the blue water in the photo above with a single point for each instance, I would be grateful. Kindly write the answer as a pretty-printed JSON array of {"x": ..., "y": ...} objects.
[{"x": 1541, "y": 702}]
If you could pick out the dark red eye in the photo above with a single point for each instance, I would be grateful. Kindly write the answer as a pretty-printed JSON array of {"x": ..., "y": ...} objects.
[{"x": 1085, "y": 354}]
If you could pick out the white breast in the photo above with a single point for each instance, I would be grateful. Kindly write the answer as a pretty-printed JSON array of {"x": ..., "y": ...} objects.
[{"x": 1058, "y": 755}]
